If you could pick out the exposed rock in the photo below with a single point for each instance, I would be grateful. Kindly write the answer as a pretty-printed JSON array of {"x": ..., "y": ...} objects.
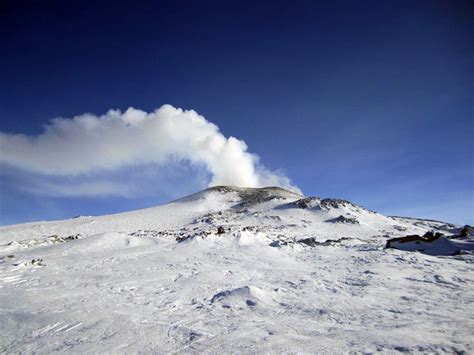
[
  {"x": 147, "y": 233},
  {"x": 238, "y": 297},
  {"x": 72, "y": 237},
  {"x": 311, "y": 242},
  {"x": 428, "y": 237},
  {"x": 220, "y": 230},
  {"x": 181, "y": 239},
  {"x": 208, "y": 218},
  {"x": 328, "y": 203},
  {"x": 308, "y": 241},
  {"x": 37, "y": 262},
  {"x": 433, "y": 244},
  {"x": 278, "y": 243},
  {"x": 303, "y": 204},
  {"x": 466, "y": 231},
  {"x": 344, "y": 219}
]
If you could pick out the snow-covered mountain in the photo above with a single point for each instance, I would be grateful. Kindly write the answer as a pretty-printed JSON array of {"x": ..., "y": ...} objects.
[{"x": 234, "y": 270}]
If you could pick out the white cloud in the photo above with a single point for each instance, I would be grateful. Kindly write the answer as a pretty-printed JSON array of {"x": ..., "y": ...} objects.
[{"x": 88, "y": 143}]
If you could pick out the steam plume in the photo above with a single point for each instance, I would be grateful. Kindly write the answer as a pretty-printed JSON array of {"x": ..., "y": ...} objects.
[{"x": 88, "y": 143}]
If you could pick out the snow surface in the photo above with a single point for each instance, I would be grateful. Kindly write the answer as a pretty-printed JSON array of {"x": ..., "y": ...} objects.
[{"x": 286, "y": 276}]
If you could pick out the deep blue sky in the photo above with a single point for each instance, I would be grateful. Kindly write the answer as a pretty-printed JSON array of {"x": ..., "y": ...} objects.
[{"x": 369, "y": 101}]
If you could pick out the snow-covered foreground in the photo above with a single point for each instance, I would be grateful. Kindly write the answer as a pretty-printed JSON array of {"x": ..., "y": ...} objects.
[{"x": 163, "y": 280}]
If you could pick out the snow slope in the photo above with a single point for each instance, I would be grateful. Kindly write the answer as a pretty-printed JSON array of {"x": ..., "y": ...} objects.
[{"x": 289, "y": 274}]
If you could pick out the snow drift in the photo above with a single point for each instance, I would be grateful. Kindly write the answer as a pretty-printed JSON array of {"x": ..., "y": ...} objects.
[{"x": 285, "y": 274}]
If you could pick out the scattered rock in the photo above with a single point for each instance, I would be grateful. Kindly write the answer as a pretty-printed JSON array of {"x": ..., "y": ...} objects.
[
  {"x": 72, "y": 237},
  {"x": 273, "y": 218},
  {"x": 311, "y": 242},
  {"x": 208, "y": 218},
  {"x": 181, "y": 239},
  {"x": 37, "y": 262},
  {"x": 344, "y": 219}
]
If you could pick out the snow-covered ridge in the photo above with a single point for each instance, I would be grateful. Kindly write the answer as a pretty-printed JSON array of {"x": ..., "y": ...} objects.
[
  {"x": 269, "y": 209},
  {"x": 245, "y": 194},
  {"x": 232, "y": 269}
]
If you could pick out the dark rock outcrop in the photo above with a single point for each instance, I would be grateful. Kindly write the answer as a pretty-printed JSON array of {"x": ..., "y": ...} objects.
[
  {"x": 303, "y": 204},
  {"x": 344, "y": 219},
  {"x": 428, "y": 237},
  {"x": 308, "y": 241},
  {"x": 466, "y": 231}
]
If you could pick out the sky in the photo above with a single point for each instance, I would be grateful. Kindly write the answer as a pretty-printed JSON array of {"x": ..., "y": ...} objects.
[{"x": 114, "y": 106}]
